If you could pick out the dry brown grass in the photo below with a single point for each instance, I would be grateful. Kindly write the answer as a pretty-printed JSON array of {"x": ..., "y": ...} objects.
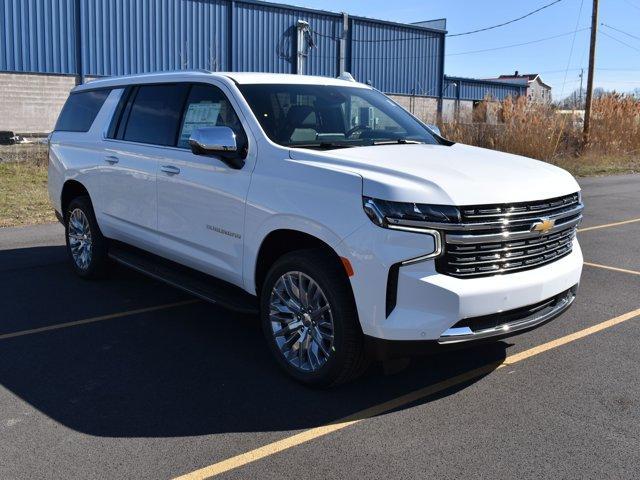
[
  {"x": 34, "y": 153},
  {"x": 23, "y": 185},
  {"x": 23, "y": 194},
  {"x": 615, "y": 125},
  {"x": 538, "y": 131}
]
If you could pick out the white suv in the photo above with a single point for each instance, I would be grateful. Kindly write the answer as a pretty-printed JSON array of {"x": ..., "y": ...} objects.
[{"x": 352, "y": 228}]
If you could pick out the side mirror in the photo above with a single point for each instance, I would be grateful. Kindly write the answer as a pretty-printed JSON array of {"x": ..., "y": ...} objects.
[
  {"x": 219, "y": 141},
  {"x": 434, "y": 128}
]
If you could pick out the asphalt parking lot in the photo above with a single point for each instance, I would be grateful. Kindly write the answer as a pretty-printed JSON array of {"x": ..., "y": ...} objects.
[{"x": 129, "y": 378}]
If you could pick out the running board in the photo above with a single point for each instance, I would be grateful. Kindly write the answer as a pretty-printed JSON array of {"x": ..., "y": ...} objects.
[{"x": 191, "y": 281}]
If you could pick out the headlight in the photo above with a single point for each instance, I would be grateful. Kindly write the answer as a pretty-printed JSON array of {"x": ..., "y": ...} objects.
[
  {"x": 412, "y": 217},
  {"x": 398, "y": 215}
]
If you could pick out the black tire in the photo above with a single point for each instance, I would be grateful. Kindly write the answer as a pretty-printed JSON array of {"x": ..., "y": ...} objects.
[
  {"x": 348, "y": 358},
  {"x": 97, "y": 264}
]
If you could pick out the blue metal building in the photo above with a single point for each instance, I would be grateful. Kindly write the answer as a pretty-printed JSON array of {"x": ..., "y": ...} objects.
[
  {"x": 118, "y": 37},
  {"x": 460, "y": 88}
]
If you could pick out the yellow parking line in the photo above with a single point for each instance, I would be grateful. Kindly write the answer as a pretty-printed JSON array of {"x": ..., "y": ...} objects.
[
  {"x": 608, "y": 225},
  {"x": 572, "y": 337},
  {"x": 615, "y": 269},
  {"x": 101, "y": 318},
  {"x": 317, "y": 432}
]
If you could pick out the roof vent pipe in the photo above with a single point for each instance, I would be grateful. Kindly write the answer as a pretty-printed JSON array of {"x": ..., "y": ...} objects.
[{"x": 346, "y": 76}]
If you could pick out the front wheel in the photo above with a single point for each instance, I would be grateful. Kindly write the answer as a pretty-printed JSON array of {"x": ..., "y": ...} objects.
[{"x": 310, "y": 321}]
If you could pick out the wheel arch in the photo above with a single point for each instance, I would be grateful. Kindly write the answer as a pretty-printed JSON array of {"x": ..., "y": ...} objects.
[
  {"x": 282, "y": 241},
  {"x": 70, "y": 190}
]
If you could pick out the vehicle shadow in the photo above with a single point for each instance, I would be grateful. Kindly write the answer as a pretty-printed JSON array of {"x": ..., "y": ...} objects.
[{"x": 192, "y": 370}]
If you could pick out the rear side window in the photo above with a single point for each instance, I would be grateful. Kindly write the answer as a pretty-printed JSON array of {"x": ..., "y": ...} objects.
[
  {"x": 80, "y": 110},
  {"x": 155, "y": 114}
]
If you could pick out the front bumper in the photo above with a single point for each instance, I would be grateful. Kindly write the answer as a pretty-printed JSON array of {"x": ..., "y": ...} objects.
[
  {"x": 383, "y": 350},
  {"x": 429, "y": 305},
  {"x": 511, "y": 322}
]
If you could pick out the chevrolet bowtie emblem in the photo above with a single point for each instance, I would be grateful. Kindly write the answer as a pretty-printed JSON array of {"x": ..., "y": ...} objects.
[{"x": 543, "y": 226}]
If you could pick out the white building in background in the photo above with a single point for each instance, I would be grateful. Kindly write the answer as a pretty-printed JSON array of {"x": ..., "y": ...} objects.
[{"x": 537, "y": 90}]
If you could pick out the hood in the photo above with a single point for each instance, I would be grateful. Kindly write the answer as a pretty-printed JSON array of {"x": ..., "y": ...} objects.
[{"x": 446, "y": 175}]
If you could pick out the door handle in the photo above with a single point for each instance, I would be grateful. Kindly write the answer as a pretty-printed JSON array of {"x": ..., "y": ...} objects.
[
  {"x": 170, "y": 169},
  {"x": 111, "y": 159}
]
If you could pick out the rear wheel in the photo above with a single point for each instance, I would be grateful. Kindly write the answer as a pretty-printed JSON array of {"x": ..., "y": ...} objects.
[
  {"x": 310, "y": 321},
  {"x": 86, "y": 246}
]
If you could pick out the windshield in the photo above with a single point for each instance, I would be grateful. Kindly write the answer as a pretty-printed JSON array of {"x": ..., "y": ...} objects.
[{"x": 330, "y": 116}]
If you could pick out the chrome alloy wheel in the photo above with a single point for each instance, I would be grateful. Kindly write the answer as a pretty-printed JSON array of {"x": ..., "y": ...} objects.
[
  {"x": 301, "y": 321},
  {"x": 80, "y": 238}
]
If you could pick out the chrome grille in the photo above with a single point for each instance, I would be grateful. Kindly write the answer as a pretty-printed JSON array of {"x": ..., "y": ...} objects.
[{"x": 495, "y": 239}]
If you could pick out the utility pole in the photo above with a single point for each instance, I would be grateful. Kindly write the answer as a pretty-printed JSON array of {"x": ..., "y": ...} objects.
[
  {"x": 580, "y": 95},
  {"x": 592, "y": 64},
  {"x": 343, "y": 43},
  {"x": 302, "y": 28}
]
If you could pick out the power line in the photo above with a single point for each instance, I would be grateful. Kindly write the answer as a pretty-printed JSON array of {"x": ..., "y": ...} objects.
[
  {"x": 573, "y": 41},
  {"x": 519, "y": 44},
  {"x": 632, "y": 4},
  {"x": 469, "y": 52},
  {"x": 426, "y": 36},
  {"x": 557, "y": 74},
  {"x": 381, "y": 40},
  {"x": 621, "y": 31},
  {"x": 505, "y": 23},
  {"x": 324, "y": 35},
  {"x": 600, "y": 69},
  {"x": 619, "y": 41}
]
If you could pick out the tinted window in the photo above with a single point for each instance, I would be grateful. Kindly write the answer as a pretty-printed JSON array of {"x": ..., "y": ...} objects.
[
  {"x": 155, "y": 114},
  {"x": 327, "y": 116},
  {"x": 119, "y": 118},
  {"x": 80, "y": 110},
  {"x": 207, "y": 106}
]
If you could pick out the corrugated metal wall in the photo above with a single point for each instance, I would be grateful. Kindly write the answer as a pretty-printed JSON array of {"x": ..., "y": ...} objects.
[
  {"x": 37, "y": 36},
  {"x": 472, "y": 89},
  {"x": 395, "y": 58},
  {"x": 120, "y": 37},
  {"x": 265, "y": 39}
]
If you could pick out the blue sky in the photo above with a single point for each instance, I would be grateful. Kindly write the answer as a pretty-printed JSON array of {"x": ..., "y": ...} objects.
[{"x": 618, "y": 65}]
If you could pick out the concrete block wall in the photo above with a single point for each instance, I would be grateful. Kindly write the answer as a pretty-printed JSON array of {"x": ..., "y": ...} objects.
[
  {"x": 465, "y": 111},
  {"x": 493, "y": 113},
  {"x": 30, "y": 103},
  {"x": 425, "y": 108}
]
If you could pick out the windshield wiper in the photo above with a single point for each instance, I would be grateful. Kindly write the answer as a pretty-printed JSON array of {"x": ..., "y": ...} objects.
[
  {"x": 325, "y": 145},
  {"x": 401, "y": 141}
]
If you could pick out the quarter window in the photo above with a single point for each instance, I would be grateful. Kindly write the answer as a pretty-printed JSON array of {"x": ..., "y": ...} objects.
[{"x": 80, "y": 110}]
